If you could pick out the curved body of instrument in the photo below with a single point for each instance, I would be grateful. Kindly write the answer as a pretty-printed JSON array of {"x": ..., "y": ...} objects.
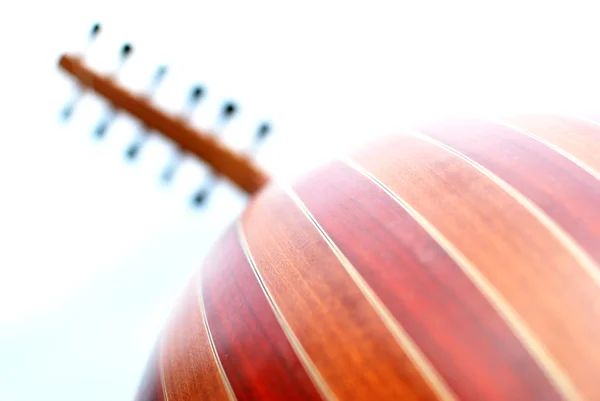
[{"x": 456, "y": 261}]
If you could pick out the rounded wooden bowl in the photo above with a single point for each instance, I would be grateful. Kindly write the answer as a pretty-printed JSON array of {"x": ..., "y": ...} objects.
[{"x": 456, "y": 261}]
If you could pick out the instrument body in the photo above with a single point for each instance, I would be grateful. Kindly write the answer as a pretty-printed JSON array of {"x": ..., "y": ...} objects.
[{"x": 456, "y": 261}]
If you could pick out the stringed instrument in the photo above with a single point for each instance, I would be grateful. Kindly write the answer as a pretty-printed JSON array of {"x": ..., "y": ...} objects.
[{"x": 453, "y": 261}]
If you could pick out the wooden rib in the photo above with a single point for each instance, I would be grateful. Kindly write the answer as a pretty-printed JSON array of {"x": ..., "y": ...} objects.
[
  {"x": 435, "y": 302},
  {"x": 514, "y": 321},
  {"x": 567, "y": 194},
  {"x": 338, "y": 328},
  {"x": 533, "y": 280},
  {"x": 222, "y": 374},
  {"x": 577, "y": 140},
  {"x": 190, "y": 370},
  {"x": 163, "y": 385},
  {"x": 403, "y": 339},
  {"x": 252, "y": 347},
  {"x": 308, "y": 364},
  {"x": 582, "y": 257}
]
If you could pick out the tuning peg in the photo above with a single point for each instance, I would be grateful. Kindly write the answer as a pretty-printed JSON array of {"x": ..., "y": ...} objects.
[
  {"x": 263, "y": 131},
  {"x": 95, "y": 31},
  {"x": 169, "y": 171},
  {"x": 126, "y": 50},
  {"x": 228, "y": 111},
  {"x": 201, "y": 196},
  {"x": 133, "y": 150},
  {"x": 105, "y": 123},
  {"x": 196, "y": 94},
  {"x": 158, "y": 77},
  {"x": 67, "y": 111}
]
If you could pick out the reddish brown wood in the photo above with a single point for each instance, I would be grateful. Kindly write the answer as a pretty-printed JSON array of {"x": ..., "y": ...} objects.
[
  {"x": 189, "y": 368},
  {"x": 408, "y": 272},
  {"x": 577, "y": 137},
  {"x": 256, "y": 355},
  {"x": 438, "y": 305},
  {"x": 566, "y": 192},
  {"x": 238, "y": 168},
  {"x": 537, "y": 276},
  {"x": 354, "y": 352}
]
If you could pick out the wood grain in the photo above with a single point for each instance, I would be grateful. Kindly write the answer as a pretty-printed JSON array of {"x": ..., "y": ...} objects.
[
  {"x": 190, "y": 371},
  {"x": 563, "y": 190},
  {"x": 433, "y": 299},
  {"x": 353, "y": 351},
  {"x": 537, "y": 284},
  {"x": 252, "y": 347},
  {"x": 576, "y": 137}
]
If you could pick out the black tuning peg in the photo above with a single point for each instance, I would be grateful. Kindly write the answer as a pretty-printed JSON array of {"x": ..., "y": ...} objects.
[
  {"x": 126, "y": 50},
  {"x": 200, "y": 197},
  {"x": 95, "y": 31},
  {"x": 196, "y": 93},
  {"x": 263, "y": 131},
  {"x": 228, "y": 111},
  {"x": 133, "y": 150}
]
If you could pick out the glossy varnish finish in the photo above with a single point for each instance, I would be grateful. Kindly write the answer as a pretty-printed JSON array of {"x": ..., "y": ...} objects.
[
  {"x": 356, "y": 355},
  {"x": 532, "y": 277},
  {"x": 241, "y": 320},
  {"x": 565, "y": 192},
  {"x": 577, "y": 138},
  {"x": 189, "y": 368},
  {"x": 448, "y": 317},
  {"x": 455, "y": 261}
]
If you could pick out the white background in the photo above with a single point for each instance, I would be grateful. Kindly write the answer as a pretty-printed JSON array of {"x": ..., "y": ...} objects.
[{"x": 93, "y": 249}]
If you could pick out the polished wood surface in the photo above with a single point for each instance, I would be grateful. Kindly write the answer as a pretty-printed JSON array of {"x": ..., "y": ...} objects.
[
  {"x": 576, "y": 138},
  {"x": 451, "y": 261},
  {"x": 236, "y": 167},
  {"x": 241, "y": 319},
  {"x": 450, "y": 320}
]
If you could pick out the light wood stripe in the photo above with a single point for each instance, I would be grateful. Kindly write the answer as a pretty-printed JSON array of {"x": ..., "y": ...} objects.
[
  {"x": 570, "y": 138},
  {"x": 403, "y": 339},
  {"x": 309, "y": 366},
  {"x": 537, "y": 276},
  {"x": 340, "y": 332},
  {"x": 222, "y": 372},
  {"x": 512, "y": 319},
  {"x": 163, "y": 385},
  {"x": 189, "y": 369},
  {"x": 582, "y": 257}
]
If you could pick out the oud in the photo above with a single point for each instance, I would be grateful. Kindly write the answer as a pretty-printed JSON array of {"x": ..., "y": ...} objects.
[{"x": 450, "y": 261}]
